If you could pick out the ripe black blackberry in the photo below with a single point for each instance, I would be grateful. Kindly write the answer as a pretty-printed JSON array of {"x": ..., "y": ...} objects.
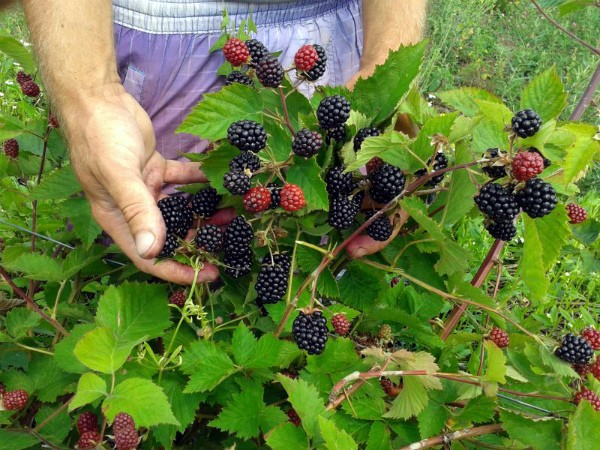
[
  {"x": 176, "y": 214},
  {"x": 238, "y": 262},
  {"x": 494, "y": 169},
  {"x": 247, "y": 135},
  {"x": 269, "y": 71},
  {"x": 537, "y": 198},
  {"x": 526, "y": 123},
  {"x": 257, "y": 49},
  {"x": 381, "y": 229},
  {"x": 362, "y": 134},
  {"x": 275, "y": 191},
  {"x": 238, "y": 234},
  {"x": 236, "y": 182},
  {"x": 310, "y": 332},
  {"x": 205, "y": 202},
  {"x": 307, "y": 143},
  {"x": 243, "y": 161},
  {"x": 209, "y": 238},
  {"x": 440, "y": 162},
  {"x": 278, "y": 259},
  {"x": 339, "y": 183},
  {"x": 319, "y": 68},
  {"x": 497, "y": 202},
  {"x": 386, "y": 183},
  {"x": 171, "y": 244},
  {"x": 271, "y": 284},
  {"x": 504, "y": 230},
  {"x": 342, "y": 212},
  {"x": 574, "y": 350},
  {"x": 337, "y": 134},
  {"x": 333, "y": 111},
  {"x": 238, "y": 77}
]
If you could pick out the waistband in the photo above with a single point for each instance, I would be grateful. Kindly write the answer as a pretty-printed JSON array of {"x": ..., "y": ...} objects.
[{"x": 191, "y": 17}]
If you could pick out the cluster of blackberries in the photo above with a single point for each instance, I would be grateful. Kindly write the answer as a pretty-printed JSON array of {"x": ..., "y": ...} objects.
[
  {"x": 29, "y": 87},
  {"x": 238, "y": 253},
  {"x": 343, "y": 206},
  {"x": 310, "y": 332},
  {"x": 272, "y": 282}
]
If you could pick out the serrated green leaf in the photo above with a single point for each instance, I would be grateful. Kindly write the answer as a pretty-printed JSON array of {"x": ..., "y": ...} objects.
[
  {"x": 392, "y": 147},
  {"x": 216, "y": 165},
  {"x": 287, "y": 437},
  {"x": 306, "y": 174},
  {"x": 461, "y": 190},
  {"x": 532, "y": 265},
  {"x": 57, "y": 424},
  {"x": 79, "y": 258},
  {"x": 488, "y": 134},
  {"x": 50, "y": 382},
  {"x": 100, "y": 350},
  {"x": 266, "y": 353},
  {"x": 478, "y": 410},
  {"x": 14, "y": 49},
  {"x": 208, "y": 366},
  {"x": 543, "y": 434},
  {"x": 36, "y": 267},
  {"x": 335, "y": 439},
  {"x": 379, "y": 437},
  {"x": 545, "y": 94},
  {"x": 465, "y": 99},
  {"x": 339, "y": 356},
  {"x": 581, "y": 153},
  {"x": 279, "y": 140},
  {"x": 57, "y": 185},
  {"x": 432, "y": 419},
  {"x": 584, "y": 428},
  {"x": 213, "y": 115},
  {"x": 20, "y": 320},
  {"x": 365, "y": 406},
  {"x": 352, "y": 284},
  {"x": 496, "y": 363},
  {"x": 64, "y": 351},
  {"x": 90, "y": 388},
  {"x": 243, "y": 343},
  {"x": 495, "y": 112},
  {"x": 411, "y": 400},
  {"x": 587, "y": 232},
  {"x": 422, "y": 149},
  {"x": 305, "y": 400},
  {"x": 85, "y": 226},
  {"x": 10, "y": 440}
]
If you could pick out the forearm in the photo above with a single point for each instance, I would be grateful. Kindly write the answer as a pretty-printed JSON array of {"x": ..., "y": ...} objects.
[{"x": 388, "y": 24}]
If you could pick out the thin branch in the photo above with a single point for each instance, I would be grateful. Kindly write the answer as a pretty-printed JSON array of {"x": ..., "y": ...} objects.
[
  {"x": 53, "y": 415},
  {"x": 285, "y": 112},
  {"x": 448, "y": 438},
  {"x": 588, "y": 95}
]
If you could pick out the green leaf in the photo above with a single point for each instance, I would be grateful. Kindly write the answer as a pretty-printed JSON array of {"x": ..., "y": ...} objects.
[
  {"x": 305, "y": 173},
  {"x": 141, "y": 399},
  {"x": 496, "y": 363},
  {"x": 379, "y": 437},
  {"x": 246, "y": 414},
  {"x": 488, "y": 134},
  {"x": 422, "y": 149},
  {"x": 64, "y": 351},
  {"x": 36, "y": 267},
  {"x": 495, "y": 112},
  {"x": 339, "y": 356},
  {"x": 101, "y": 351},
  {"x": 10, "y": 440},
  {"x": 19, "y": 321},
  {"x": 545, "y": 434},
  {"x": 378, "y": 96},
  {"x": 57, "y": 424},
  {"x": 432, "y": 419},
  {"x": 12, "y": 48},
  {"x": 584, "y": 428},
  {"x": 545, "y": 94},
  {"x": 392, "y": 147},
  {"x": 554, "y": 232},
  {"x": 352, "y": 284},
  {"x": 411, "y": 401},
  {"x": 50, "y": 382},
  {"x": 216, "y": 165},
  {"x": 90, "y": 388},
  {"x": 57, "y": 185},
  {"x": 466, "y": 99},
  {"x": 461, "y": 190},
  {"x": 287, "y": 437},
  {"x": 478, "y": 410},
  {"x": 581, "y": 153},
  {"x": 85, "y": 226},
  {"x": 305, "y": 400},
  {"x": 80, "y": 258},
  {"x": 208, "y": 366},
  {"x": 335, "y": 439},
  {"x": 532, "y": 269},
  {"x": 243, "y": 343},
  {"x": 213, "y": 115}
]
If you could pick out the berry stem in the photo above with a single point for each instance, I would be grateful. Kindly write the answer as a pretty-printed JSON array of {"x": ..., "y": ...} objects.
[
  {"x": 53, "y": 415},
  {"x": 454, "y": 436},
  {"x": 285, "y": 111}
]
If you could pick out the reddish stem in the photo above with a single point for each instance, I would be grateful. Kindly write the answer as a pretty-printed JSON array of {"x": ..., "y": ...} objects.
[{"x": 448, "y": 438}]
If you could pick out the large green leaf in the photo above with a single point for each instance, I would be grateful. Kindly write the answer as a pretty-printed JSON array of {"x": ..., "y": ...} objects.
[
  {"x": 85, "y": 226},
  {"x": 536, "y": 434},
  {"x": 545, "y": 94},
  {"x": 459, "y": 200},
  {"x": 19, "y": 321},
  {"x": 287, "y": 437},
  {"x": 334, "y": 438},
  {"x": 581, "y": 153},
  {"x": 584, "y": 428},
  {"x": 411, "y": 401},
  {"x": 496, "y": 363},
  {"x": 36, "y": 267},
  {"x": 216, "y": 164},
  {"x": 12, "y": 440},
  {"x": 64, "y": 351},
  {"x": 101, "y": 350},
  {"x": 208, "y": 366},
  {"x": 57, "y": 185},
  {"x": 392, "y": 147},
  {"x": 466, "y": 99},
  {"x": 90, "y": 388},
  {"x": 305, "y": 400},
  {"x": 14, "y": 49}
]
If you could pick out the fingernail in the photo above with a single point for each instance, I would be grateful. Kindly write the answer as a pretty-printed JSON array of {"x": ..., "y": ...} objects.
[
  {"x": 144, "y": 240},
  {"x": 359, "y": 252}
]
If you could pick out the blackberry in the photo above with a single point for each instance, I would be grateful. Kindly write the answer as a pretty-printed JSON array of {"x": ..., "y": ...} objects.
[
  {"x": 247, "y": 135},
  {"x": 389, "y": 387},
  {"x": 386, "y": 183},
  {"x": 582, "y": 369},
  {"x": 575, "y": 350},
  {"x": 504, "y": 230},
  {"x": 339, "y": 183},
  {"x": 22, "y": 77},
  {"x": 590, "y": 396},
  {"x": 238, "y": 234},
  {"x": 236, "y": 182},
  {"x": 15, "y": 400},
  {"x": 177, "y": 214},
  {"x": 342, "y": 213},
  {"x": 269, "y": 71},
  {"x": 236, "y": 52},
  {"x": 89, "y": 439},
  {"x": 496, "y": 202},
  {"x": 257, "y": 199},
  {"x": 257, "y": 49},
  {"x": 205, "y": 202},
  {"x": 440, "y": 162},
  {"x": 337, "y": 134},
  {"x": 294, "y": 418},
  {"x": 319, "y": 68},
  {"x": 171, "y": 244},
  {"x": 292, "y": 197},
  {"x": 593, "y": 338},
  {"x": 209, "y": 238},
  {"x": 126, "y": 439},
  {"x": 526, "y": 123},
  {"x": 310, "y": 332},
  {"x": 279, "y": 260},
  {"x": 245, "y": 161},
  {"x": 381, "y": 229},
  {"x": 340, "y": 324},
  {"x": 373, "y": 164},
  {"x": 362, "y": 134},
  {"x": 239, "y": 262},
  {"x": 527, "y": 165},
  {"x": 87, "y": 421},
  {"x": 307, "y": 143},
  {"x": 275, "y": 191},
  {"x": 123, "y": 421},
  {"x": 594, "y": 369},
  {"x": 30, "y": 89},
  {"x": 178, "y": 298},
  {"x": 576, "y": 213},
  {"x": 499, "y": 337},
  {"x": 238, "y": 77},
  {"x": 271, "y": 284},
  {"x": 493, "y": 169},
  {"x": 305, "y": 58},
  {"x": 333, "y": 111},
  {"x": 537, "y": 198},
  {"x": 11, "y": 148}
]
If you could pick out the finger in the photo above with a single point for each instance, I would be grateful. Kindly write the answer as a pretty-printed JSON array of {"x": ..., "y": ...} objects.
[
  {"x": 222, "y": 217},
  {"x": 178, "y": 172},
  {"x": 364, "y": 245}
]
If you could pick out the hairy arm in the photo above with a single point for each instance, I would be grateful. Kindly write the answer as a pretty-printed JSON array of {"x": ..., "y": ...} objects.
[{"x": 110, "y": 137}]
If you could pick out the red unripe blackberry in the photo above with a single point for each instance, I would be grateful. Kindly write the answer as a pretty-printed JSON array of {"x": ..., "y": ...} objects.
[
  {"x": 504, "y": 230},
  {"x": 497, "y": 202},
  {"x": 209, "y": 238},
  {"x": 87, "y": 421},
  {"x": 292, "y": 197},
  {"x": 294, "y": 418},
  {"x": 126, "y": 439},
  {"x": 575, "y": 350},
  {"x": 22, "y": 77},
  {"x": 15, "y": 400},
  {"x": 381, "y": 228},
  {"x": 526, "y": 123},
  {"x": 257, "y": 199},
  {"x": 495, "y": 168},
  {"x": 319, "y": 68},
  {"x": 363, "y": 134},
  {"x": 527, "y": 165},
  {"x": 238, "y": 77},
  {"x": 89, "y": 439},
  {"x": 178, "y": 298},
  {"x": 342, "y": 212},
  {"x": 123, "y": 421},
  {"x": 499, "y": 337},
  {"x": 333, "y": 111},
  {"x": 238, "y": 234},
  {"x": 53, "y": 122},
  {"x": 310, "y": 332},
  {"x": 576, "y": 213},
  {"x": 389, "y": 387},
  {"x": 592, "y": 337},
  {"x": 594, "y": 368},
  {"x": 236, "y": 52},
  {"x": 30, "y": 89},
  {"x": 257, "y": 49},
  {"x": 245, "y": 161},
  {"x": 385, "y": 333},
  {"x": 306, "y": 57},
  {"x": 236, "y": 182},
  {"x": 340, "y": 324},
  {"x": 11, "y": 148},
  {"x": 269, "y": 71},
  {"x": 537, "y": 198},
  {"x": 582, "y": 369},
  {"x": 374, "y": 164},
  {"x": 247, "y": 135},
  {"x": 386, "y": 183},
  {"x": 205, "y": 202},
  {"x": 307, "y": 143},
  {"x": 590, "y": 396},
  {"x": 238, "y": 263}
]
